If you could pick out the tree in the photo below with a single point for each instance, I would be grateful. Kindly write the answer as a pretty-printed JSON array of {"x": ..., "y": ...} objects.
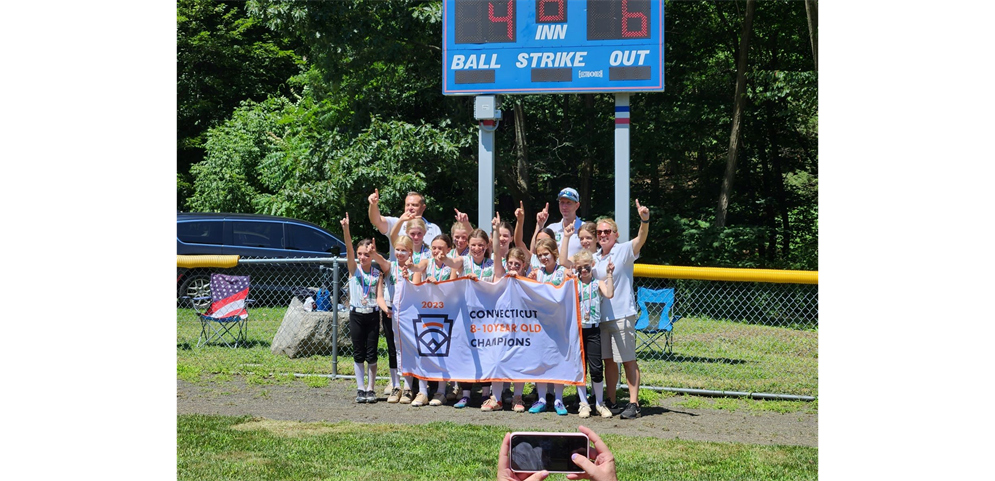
[
  {"x": 365, "y": 112},
  {"x": 737, "y": 115},
  {"x": 812, "y": 14},
  {"x": 222, "y": 58}
]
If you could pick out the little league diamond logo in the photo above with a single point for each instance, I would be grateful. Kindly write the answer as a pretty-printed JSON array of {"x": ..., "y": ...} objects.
[{"x": 433, "y": 332}]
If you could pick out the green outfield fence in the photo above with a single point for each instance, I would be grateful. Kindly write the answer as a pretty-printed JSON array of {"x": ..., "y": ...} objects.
[{"x": 741, "y": 332}]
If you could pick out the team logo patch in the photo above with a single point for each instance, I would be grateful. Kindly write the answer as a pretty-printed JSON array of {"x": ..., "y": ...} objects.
[{"x": 433, "y": 332}]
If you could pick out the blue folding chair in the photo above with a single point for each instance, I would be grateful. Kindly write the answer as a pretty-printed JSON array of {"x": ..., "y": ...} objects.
[{"x": 655, "y": 305}]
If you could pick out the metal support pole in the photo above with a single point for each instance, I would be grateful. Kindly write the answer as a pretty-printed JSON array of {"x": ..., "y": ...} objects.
[
  {"x": 622, "y": 165},
  {"x": 485, "y": 175},
  {"x": 485, "y": 110},
  {"x": 334, "y": 305}
]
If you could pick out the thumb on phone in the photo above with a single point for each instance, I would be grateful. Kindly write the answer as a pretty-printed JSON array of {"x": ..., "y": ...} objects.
[
  {"x": 537, "y": 476},
  {"x": 583, "y": 463}
]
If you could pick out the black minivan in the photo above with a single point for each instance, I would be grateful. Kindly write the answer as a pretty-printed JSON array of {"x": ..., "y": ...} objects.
[{"x": 246, "y": 235}]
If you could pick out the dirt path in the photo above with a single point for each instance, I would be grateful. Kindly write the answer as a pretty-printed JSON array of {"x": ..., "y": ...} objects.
[{"x": 298, "y": 402}]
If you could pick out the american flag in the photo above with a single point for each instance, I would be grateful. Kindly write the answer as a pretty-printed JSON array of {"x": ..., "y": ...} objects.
[{"x": 228, "y": 294}]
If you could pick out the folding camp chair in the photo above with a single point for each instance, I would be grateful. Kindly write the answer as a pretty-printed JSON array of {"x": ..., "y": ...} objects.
[
  {"x": 227, "y": 317},
  {"x": 655, "y": 304}
]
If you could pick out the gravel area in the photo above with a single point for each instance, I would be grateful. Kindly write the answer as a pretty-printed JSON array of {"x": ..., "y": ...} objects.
[{"x": 298, "y": 402}]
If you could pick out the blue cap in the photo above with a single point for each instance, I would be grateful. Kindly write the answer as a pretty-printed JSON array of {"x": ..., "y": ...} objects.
[{"x": 569, "y": 193}]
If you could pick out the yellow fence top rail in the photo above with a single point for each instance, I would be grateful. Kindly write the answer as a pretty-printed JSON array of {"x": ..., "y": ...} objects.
[
  {"x": 206, "y": 261},
  {"x": 727, "y": 274}
]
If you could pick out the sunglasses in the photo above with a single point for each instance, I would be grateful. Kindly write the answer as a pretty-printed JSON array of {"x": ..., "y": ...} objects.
[
  {"x": 584, "y": 268},
  {"x": 605, "y": 232}
]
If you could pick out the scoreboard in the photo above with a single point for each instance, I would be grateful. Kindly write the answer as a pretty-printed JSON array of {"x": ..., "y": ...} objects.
[{"x": 551, "y": 46}]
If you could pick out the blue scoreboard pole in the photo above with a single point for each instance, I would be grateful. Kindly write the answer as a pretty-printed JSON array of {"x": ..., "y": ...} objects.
[{"x": 493, "y": 47}]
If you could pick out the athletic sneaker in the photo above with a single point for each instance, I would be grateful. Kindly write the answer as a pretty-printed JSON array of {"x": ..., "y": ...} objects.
[
  {"x": 492, "y": 405},
  {"x": 631, "y": 411},
  {"x": 462, "y": 402},
  {"x": 560, "y": 408},
  {"x": 604, "y": 412},
  {"x": 360, "y": 396},
  {"x": 452, "y": 394},
  {"x": 438, "y": 399},
  {"x": 388, "y": 389},
  {"x": 371, "y": 397},
  {"x": 584, "y": 411},
  {"x": 395, "y": 395},
  {"x": 405, "y": 397},
  {"x": 518, "y": 406},
  {"x": 614, "y": 408},
  {"x": 420, "y": 400},
  {"x": 538, "y": 407}
]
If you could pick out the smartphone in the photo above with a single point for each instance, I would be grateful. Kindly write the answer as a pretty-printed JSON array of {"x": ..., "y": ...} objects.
[{"x": 531, "y": 452}]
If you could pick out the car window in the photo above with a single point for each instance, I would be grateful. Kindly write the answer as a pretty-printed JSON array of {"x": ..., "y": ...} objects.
[
  {"x": 258, "y": 234},
  {"x": 306, "y": 238},
  {"x": 200, "y": 232}
]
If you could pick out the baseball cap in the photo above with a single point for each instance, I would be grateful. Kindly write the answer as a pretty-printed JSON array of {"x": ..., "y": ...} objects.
[{"x": 569, "y": 193}]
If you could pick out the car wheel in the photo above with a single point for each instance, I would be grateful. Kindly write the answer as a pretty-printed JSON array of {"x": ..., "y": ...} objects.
[{"x": 197, "y": 285}]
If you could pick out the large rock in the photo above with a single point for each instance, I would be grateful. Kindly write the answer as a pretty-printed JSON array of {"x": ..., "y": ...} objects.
[{"x": 308, "y": 333}]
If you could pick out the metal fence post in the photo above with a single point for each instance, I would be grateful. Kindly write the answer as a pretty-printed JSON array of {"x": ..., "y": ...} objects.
[{"x": 335, "y": 319}]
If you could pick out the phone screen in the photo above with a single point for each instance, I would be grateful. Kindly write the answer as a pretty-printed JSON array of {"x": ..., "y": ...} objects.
[{"x": 550, "y": 451}]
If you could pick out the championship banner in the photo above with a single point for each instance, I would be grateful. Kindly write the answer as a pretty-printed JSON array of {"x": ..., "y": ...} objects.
[{"x": 516, "y": 330}]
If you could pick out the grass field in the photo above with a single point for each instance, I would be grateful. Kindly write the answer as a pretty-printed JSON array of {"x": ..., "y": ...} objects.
[
  {"x": 707, "y": 354},
  {"x": 244, "y": 448}
]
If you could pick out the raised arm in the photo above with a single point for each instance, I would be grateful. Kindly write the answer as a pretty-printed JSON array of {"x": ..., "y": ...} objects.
[
  {"x": 397, "y": 226},
  {"x": 419, "y": 267},
  {"x": 607, "y": 287},
  {"x": 378, "y": 258},
  {"x": 378, "y": 221},
  {"x": 495, "y": 247},
  {"x": 350, "y": 251},
  {"x": 541, "y": 217},
  {"x": 644, "y": 228},
  {"x": 520, "y": 227},
  {"x": 565, "y": 247},
  {"x": 464, "y": 220}
]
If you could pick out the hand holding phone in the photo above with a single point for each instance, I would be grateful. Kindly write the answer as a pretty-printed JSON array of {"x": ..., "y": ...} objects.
[{"x": 532, "y": 452}]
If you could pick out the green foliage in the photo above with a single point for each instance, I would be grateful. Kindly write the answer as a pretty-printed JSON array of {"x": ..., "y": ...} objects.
[
  {"x": 364, "y": 111},
  {"x": 226, "y": 180},
  {"x": 223, "y": 57}
]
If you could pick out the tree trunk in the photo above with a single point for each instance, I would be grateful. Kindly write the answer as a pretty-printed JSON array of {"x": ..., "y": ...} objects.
[
  {"x": 586, "y": 163},
  {"x": 737, "y": 115},
  {"x": 812, "y": 12},
  {"x": 518, "y": 178},
  {"x": 521, "y": 152}
]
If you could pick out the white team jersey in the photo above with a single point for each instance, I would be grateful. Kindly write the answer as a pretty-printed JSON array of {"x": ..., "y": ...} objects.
[
  {"x": 431, "y": 230},
  {"x": 574, "y": 246}
]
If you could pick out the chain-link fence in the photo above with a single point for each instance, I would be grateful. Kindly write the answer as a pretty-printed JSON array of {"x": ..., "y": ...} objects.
[{"x": 733, "y": 337}]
